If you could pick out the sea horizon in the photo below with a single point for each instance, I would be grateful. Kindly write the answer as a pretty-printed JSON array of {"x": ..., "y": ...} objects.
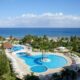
[{"x": 51, "y": 32}]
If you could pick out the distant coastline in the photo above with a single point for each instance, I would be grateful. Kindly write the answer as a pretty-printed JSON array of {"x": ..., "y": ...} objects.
[{"x": 51, "y": 32}]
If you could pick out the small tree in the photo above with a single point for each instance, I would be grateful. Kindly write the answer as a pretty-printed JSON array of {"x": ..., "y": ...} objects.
[
  {"x": 55, "y": 76},
  {"x": 31, "y": 77}
]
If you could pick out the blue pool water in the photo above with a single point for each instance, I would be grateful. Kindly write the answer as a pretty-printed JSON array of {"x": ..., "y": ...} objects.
[
  {"x": 16, "y": 48},
  {"x": 38, "y": 68},
  {"x": 21, "y": 54},
  {"x": 55, "y": 61}
]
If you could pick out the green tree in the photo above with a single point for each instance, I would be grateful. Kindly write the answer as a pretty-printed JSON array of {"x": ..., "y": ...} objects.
[{"x": 31, "y": 77}]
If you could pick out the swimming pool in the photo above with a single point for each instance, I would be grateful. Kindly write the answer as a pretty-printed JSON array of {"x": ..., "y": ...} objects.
[
  {"x": 16, "y": 48},
  {"x": 39, "y": 68},
  {"x": 22, "y": 54},
  {"x": 54, "y": 62}
]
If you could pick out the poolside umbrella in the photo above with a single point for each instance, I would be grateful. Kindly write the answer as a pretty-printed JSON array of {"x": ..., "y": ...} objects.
[{"x": 62, "y": 49}]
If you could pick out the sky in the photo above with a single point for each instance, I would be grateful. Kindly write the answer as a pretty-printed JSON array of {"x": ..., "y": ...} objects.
[{"x": 40, "y": 13}]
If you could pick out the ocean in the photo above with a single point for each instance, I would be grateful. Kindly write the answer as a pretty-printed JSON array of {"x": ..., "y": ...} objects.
[{"x": 51, "y": 32}]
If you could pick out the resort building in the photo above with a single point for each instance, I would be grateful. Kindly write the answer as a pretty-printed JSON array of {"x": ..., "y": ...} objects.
[{"x": 7, "y": 45}]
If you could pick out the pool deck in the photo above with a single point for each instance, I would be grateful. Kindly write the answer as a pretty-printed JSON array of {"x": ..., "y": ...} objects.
[
  {"x": 20, "y": 67},
  {"x": 50, "y": 71}
]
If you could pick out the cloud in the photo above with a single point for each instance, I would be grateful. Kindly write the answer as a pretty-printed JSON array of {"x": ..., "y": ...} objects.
[{"x": 42, "y": 20}]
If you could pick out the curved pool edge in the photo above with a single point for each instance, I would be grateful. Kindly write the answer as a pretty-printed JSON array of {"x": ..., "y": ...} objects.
[
  {"x": 54, "y": 70},
  {"x": 50, "y": 71}
]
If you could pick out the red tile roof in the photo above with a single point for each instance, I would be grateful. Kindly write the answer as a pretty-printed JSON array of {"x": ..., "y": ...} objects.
[{"x": 7, "y": 45}]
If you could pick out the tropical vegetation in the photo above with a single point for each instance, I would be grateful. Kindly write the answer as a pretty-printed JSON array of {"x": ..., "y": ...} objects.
[
  {"x": 31, "y": 77},
  {"x": 41, "y": 43},
  {"x": 6, "y": 72}
]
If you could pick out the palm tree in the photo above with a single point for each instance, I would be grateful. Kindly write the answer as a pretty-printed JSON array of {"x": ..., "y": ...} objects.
[
  {"x": 27, "y": 39},
  {"x": 43, "y": 48}
]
